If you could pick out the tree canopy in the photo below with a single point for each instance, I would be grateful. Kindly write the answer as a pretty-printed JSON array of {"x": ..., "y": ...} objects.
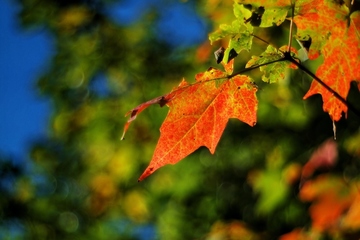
[{"x": 279, "y": 178}]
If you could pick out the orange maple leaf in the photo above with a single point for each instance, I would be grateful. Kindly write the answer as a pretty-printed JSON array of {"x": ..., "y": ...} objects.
[
  {"x": 331, "y": 198},
  {"x": 336, "y": 35},
  {"x": 199, "y": 113},
  {"x": 324, "y": 157}
]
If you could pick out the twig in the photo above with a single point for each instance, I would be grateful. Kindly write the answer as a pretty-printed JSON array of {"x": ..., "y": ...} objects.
[
  {"x": 259, "y": 38},
  {"x": 257, "y": 66},
  {"x": 291, "y": 25}
]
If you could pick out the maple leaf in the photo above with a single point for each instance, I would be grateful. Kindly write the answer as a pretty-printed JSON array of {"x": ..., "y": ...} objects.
[
  {"x": 239, "y": 32},
  {"x": 274, "y": 12},
  {"x": 339, "y": 42},
  {"x": 199, "y": 112},
  {"x": 319, "y": 20},
  {"x": 266, "y": 3},
  {"x": 324, "y": 157},
  {"x": 331, "y": 198},
  {"x": 273, "y": 72},
  {"x": 334, "y": 34}
]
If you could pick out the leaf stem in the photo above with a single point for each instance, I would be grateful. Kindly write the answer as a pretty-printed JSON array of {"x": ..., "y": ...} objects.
[{"x": 291, "y": 25}]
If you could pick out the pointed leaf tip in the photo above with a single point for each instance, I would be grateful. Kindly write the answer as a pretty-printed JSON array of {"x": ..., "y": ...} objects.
[
  {"x": 148, "y": 171},
  {"x": 162, "y": 100}
]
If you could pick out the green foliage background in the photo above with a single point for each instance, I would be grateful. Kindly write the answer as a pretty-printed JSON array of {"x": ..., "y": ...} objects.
[{"x": 90, "y": 188}]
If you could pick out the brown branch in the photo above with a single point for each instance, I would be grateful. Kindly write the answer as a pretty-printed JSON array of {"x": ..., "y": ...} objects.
[{"x": 316, "y": 78}]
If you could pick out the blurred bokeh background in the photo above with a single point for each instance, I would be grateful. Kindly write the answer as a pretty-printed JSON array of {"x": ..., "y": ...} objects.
[{"x": 71, "y": 69}]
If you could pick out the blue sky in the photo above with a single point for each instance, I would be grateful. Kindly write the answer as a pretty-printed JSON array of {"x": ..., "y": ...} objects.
[{"x": 23, "y": 54}]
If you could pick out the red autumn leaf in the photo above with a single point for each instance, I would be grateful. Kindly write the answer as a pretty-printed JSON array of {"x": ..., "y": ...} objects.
[
  {"x": 331, "y": 198},
  {"x": 199, "y": 113},
  {"x": 324, "y": 157},
  {"x": 338, "y": 41},
  {"x": 334, "y": 34}
]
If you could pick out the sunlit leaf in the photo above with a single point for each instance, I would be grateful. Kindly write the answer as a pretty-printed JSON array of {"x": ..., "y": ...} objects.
[
  {"x": 273, "y": 72},
  {"x": 339, "y": 43},
  {"x": 199, "y": 113}
]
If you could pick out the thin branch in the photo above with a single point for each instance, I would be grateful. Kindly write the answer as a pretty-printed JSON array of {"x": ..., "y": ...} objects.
[
  {"x": 259, "y": 38},
  {"x": 266, "y": 42},
  {"x": 291, "y": 25},
  {"x": 333, "y": 92},
  {"x": 159, "y": 99},
  {"x": 257, "y": 66},
  {"x": 240, "y": 72}
]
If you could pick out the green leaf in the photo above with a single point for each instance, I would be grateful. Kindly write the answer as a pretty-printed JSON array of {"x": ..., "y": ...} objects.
[
  {"x": 239, "y": 32},
  {"x": 273, "y": 72},
  {"x": 268, "y": 13},
  {"x": 241, "y": 41},
  {"x": 273, "y": 16},
  {"x": 272, "y": 189},
  {"x": 241, "y": 13},
  {"x": 225, "y": 30}
]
